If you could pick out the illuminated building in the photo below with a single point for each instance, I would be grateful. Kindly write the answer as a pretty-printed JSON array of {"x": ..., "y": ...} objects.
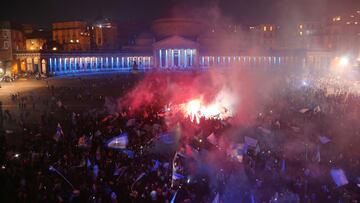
[
  {"x": 35, "y": 41},
  {"x": 344, "y": 32},
  {"x": 171, "y": 43},
  {"x": 35, "y": 44},
  {"x": 72, "y": 35},
  {"x": 105, "y": 35},
  {"x": 264, "y": 35},
  {"x": 12, "y": 40}
]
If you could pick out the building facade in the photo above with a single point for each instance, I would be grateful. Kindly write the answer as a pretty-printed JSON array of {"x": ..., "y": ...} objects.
[
  {"x": 172, "y": 43},
  {"x": 105, "y": 36},
  {"x": 72, "y": 35},
  {"x": 12, "y": 40}
]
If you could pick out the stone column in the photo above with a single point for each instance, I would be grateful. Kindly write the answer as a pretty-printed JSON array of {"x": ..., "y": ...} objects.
[
  {"x": 172, "y": 58},
  {"x": 160, "y": 59}
]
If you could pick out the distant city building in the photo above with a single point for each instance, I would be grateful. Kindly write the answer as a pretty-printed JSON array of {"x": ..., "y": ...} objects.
[
  {"x": 264, "y": 36},
  {"x": 35, "y": 44},
  {"x": 105, "y": 35},
  {"x": 344, "y": 32},
  {"x": 12, "y": 40},
  {"x": 72, "y": 35},
  {"x": 182, "y": 43},
  {"x": 36, "y": 40}
]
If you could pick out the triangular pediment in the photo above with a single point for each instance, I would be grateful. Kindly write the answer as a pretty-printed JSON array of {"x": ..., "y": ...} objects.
[{"x": 176, "y": 42}]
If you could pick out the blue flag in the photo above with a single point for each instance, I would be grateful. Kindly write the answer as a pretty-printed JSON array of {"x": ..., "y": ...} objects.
[{"x": 118, "y": 142}]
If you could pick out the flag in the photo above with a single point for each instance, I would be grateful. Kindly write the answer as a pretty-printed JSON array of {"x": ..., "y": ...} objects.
[
  {"x": 283, "y": 166},
  {"x": 177, "y": 176},
  {"x": 175, "y": 168},
  {"x": 88, "y": 163},
  {"x": 174, "y": 197},
  {"x": 324, "y": 139},
  {"x": 156, "y": 165},
  {"x": 317, "y": 109},
  {"x": 217, "y": 198},
  {"x": 168, "y": 138},
  {"x": 130, "y": 122},
  {"x": 339, "y": 177},
  {"x": 96, "y": 170},
  {"x": 304, "y": 110},
  {"x": 129, "y": 153},
  {"x": 59, "y": 132},
  {"x": 264, "y": 130},
  {"x": 318, "y": 157},
  {"x": 250, "y": 141},
  {"x": 118, "y": 142},
  {"x": 212, "y": 139}
]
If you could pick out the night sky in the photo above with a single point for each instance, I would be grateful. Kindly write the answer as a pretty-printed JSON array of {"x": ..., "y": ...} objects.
[{"x": 243, "y": 11}]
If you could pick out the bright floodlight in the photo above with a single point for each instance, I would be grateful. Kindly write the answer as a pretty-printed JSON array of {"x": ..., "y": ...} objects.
[{"x": 344, "y": 61}]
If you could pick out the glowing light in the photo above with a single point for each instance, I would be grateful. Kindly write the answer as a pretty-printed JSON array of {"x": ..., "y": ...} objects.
[
  {"x": 1, "y": 71},
  {"x": 219, "y": 108},
  {"x": 54, "y": 48},
  {"x": 344, "y": 61},
  {"x": 195, "y": 110}
]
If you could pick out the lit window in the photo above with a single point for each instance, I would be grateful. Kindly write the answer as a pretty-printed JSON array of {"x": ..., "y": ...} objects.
[
  {"x": 271, "y": 28},
  {"x": 301, "y": 26},
  {"x": 77, "y": 41},
  {"x": 355, "y": 23},
  {"x": 265, "y": 28},
  {"x": 71, "y": 41},
  {"x": 348, "y": 23},
  {"x": 301, "y": 33}
]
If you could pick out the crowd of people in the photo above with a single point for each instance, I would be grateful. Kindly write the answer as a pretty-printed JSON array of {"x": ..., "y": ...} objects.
[{"x": 298, "y": 139}]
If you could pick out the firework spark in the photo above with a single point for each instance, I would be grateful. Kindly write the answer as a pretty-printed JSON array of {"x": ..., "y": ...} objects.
[{"x": 196, "y": 109}]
